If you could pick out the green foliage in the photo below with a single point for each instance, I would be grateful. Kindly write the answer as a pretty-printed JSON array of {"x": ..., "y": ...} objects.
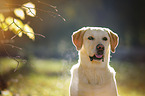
[
  {"x": 130, "y": 78},
  {"x": 50, "y": 78},
  {"x": 7, "y": 64}
]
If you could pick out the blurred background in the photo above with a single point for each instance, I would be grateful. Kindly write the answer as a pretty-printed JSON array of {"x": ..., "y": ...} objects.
[{"x": 124, "y": 17}]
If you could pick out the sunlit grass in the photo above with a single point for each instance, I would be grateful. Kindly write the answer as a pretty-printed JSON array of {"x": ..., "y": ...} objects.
[
  {"x": 43, "y": 66},
  {"x": 126, "y": 91},
  {"x": 6, "y": 64},
  {"x": 47, "y": 78},
  {"x": 41, "y": 85},
  {"x": 51, "y": 78},
  {"x": 130, "y": 78}
]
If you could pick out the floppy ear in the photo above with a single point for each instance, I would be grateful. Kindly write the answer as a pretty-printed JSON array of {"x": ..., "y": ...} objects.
[
  {"x": 114, "y": 40},
  {"x": 77, "y": 38}
]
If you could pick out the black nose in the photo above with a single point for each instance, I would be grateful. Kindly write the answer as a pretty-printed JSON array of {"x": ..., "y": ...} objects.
[{"x": 100, "y": 47}]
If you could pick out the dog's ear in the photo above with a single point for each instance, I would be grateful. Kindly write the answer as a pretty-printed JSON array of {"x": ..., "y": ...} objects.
[
  {"x": 114, "y": 40},
  {"x": 77, "y": 38}
]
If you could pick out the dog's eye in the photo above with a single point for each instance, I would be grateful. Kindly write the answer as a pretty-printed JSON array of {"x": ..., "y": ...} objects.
[
  {"x": 104, "y": 38},
  {"x": 91, "y": 38}
]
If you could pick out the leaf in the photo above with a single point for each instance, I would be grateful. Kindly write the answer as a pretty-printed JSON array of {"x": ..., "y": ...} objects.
[
  {"x": 31, "y": 12},
  {"x": 29, "y": 5},
  {"x": 19, "y": 13},
  {"x": 18, "y": 27},
  {"x": 9, "y": 20},
  {"x": 19, "y": 23},
  {"x": 2, "y": 18},
  {"x": 4, "y": 26},
  {"x": 29, "y": 31},
  {"x": 15, "y": 25},
  {"x": 30, "y": 9}
]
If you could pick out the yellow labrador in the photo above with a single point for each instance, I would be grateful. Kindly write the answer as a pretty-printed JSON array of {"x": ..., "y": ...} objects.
[{"x": 92, "y": 75}]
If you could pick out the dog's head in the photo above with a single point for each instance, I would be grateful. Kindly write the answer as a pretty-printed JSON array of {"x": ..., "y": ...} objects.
[{"x": 95, "y": 42}]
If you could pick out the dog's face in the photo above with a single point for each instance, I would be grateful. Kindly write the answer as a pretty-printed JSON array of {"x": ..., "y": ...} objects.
[{"x": 95, "y": 42}]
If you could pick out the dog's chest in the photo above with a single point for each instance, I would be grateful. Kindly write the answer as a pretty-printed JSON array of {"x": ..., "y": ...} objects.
[
  {"x": 94, "y": 83},
  {"x": 107, "y": 90},
  {"x": 94, "y": 76}
]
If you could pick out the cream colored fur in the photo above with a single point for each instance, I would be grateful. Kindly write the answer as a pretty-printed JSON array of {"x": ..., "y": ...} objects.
[{"x": 93, "y": 78}]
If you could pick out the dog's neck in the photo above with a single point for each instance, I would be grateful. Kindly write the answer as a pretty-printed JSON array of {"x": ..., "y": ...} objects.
[
  {"x": 96, "y": 72},
  {"x": 84, "y": 61}
]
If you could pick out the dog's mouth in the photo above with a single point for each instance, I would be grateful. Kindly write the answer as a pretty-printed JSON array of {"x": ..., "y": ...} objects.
[
  {"x": 97, "y": 57},
  {"x": 99, "y": 54}
]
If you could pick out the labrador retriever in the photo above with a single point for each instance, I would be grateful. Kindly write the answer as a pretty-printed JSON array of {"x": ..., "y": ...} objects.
[{"x": 92, "y": 75}]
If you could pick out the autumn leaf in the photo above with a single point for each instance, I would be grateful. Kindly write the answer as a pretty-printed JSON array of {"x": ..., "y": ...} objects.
[
  {"x": 2, "y": 18},
  {"x": 4, "y": 26},
  {"x": 19, "y": 13},
  {"x": 30, "y": 9},
  {"x": 15, "y": 25},
  {"x": 29, "y": 31},
  {"x": 9, "y": 20}
]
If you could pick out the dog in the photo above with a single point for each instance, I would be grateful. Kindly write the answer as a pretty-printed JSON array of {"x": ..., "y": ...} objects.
[{"x": 92, "y": 75}]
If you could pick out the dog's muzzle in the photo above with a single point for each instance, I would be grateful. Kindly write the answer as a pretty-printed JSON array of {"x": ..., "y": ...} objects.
[{"x": 99, "y": 53}]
